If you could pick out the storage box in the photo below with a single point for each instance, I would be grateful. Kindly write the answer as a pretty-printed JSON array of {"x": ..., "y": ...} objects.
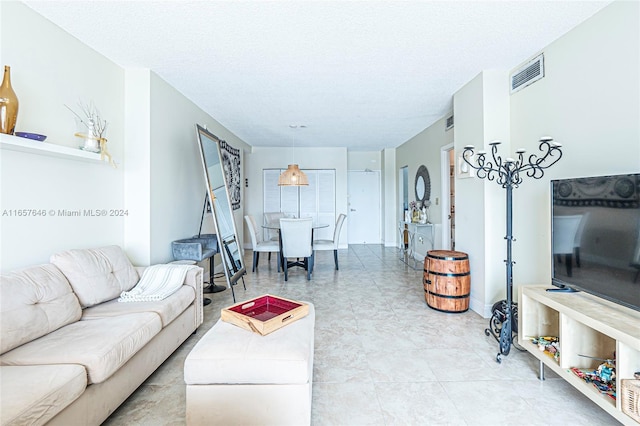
[
  {"x": 264, "y": 314},
  {"x": 631, "y": 398}
]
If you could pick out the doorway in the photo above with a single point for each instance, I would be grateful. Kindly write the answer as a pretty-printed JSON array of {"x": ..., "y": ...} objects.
[
  {"x": 364, "y": 207},
  {"x": 403, "y": 191},
  {"x": 447, "y": 167},
  {"x": 404, "y": 187}
]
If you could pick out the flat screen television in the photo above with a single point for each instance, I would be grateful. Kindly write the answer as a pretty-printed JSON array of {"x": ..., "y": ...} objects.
[{"x": 595, "y": 229}]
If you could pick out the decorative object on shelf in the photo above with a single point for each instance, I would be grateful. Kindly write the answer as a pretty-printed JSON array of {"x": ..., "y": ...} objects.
[
  {"x": 415, "y": 211},
  {"x": 231, "y": 167},
  {"x": 550, "y": 345},
  {"x": 94, "y": 140},
  {"x": 418, "y": 212},
  {"x": 424, "y": 212},
  {"x": 33, "y": 136},
  {"x": 8, "y": 104},
  {"x": 293, "y": 176},
  {"x": 603, "y": 377},
  {"x": 509, "y": 174}
]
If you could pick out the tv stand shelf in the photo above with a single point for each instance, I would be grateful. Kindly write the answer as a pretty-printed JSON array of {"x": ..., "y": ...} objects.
[{"x": 585, "y": 325}]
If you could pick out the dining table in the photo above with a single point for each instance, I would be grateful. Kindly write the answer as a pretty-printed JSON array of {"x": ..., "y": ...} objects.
[{"x": 276, "y": 227}]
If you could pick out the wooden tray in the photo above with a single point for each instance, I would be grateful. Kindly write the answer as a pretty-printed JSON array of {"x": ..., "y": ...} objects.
[{"x": 264, "y": 314}]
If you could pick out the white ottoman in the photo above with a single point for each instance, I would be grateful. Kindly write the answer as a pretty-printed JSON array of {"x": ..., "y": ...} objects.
[{"x": 234, "y": 376}]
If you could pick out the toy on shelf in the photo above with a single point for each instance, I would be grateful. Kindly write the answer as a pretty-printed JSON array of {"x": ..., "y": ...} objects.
[
  {"x": 550, "y": 345},
  {"x": 603, "y": 377}
]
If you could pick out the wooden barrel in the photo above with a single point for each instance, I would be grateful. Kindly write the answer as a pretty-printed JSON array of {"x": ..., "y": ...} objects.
[{"x": 447, "y": 280}]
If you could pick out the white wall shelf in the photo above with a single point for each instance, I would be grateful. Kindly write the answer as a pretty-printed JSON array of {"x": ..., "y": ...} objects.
[
  {"x": 585, "y": 325},
  {"x": 15, "y": 143}
]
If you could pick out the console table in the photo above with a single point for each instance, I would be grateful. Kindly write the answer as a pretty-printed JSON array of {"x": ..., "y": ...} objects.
[
  {"x": 589, "y": 329},
  {"x": 416, "y": 232}
]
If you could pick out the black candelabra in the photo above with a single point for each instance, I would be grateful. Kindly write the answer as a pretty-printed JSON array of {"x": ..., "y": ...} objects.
[{"x": 509, "y": 174}]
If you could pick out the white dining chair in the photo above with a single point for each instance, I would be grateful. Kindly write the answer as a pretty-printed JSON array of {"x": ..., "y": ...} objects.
[
  {"x": 331, "y": 244},
  {"x": 273, "y": 219},
  {"x": 258, "y": 244},
  {"x": 297, "y": 243}
]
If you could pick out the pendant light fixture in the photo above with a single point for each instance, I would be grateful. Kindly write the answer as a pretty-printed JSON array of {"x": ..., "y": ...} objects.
[{"x": 293, "y": 176}]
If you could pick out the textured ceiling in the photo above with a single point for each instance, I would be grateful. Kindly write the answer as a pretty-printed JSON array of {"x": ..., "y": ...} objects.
[{"x": 362, "y": 74}]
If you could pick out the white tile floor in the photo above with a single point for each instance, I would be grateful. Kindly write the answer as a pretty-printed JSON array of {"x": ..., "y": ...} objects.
[{"x": 383, "y": 357}]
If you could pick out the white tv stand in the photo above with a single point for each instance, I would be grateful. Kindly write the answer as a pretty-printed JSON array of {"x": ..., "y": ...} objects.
[{"x": 586, "y": 325}]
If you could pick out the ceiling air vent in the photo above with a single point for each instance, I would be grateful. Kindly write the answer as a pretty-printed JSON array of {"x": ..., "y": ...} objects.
[
  {"x": 529, "y": 73},
  {"x": 449, "y": 124}
]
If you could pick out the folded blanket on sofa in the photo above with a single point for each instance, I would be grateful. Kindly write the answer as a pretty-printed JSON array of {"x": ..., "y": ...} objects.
[{"x": 158, "y": 282}]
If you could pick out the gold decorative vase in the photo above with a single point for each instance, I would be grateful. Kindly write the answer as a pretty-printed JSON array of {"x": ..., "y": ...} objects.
[{"x": 8, "y": 104}]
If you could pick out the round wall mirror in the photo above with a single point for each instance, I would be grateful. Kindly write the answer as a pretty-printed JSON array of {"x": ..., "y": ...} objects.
[{"x": 423, "y": 184}]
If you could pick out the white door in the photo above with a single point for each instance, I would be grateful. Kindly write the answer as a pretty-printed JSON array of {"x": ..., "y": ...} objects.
[{"x": 363, "y": 218}]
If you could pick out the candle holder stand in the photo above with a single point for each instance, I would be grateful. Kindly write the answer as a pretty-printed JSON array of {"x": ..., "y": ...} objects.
[{"x": 509, "y": 174}]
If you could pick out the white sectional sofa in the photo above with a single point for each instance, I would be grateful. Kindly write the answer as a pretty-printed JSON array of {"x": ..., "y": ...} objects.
[{"x": 70, "y": 353}]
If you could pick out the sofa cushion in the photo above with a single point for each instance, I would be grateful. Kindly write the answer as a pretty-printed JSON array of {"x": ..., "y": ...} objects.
[
  {"x": 97, "y": 275},
  {"x": 101, "y": 345},
  {"x": 33, "y": 302},
  {"x": 168, "y": 309},
  {"x": 34, "y": 394}
]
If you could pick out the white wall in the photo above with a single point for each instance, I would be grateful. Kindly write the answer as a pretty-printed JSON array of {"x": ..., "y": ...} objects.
[
  {"x": 589, "y": 101},
  {"x": 307, "y": 158},
  {"x": 496, "y": 127},
  {"x": 49, "y": 69},
  {"x": 137, "y": 227},
  {"x": 165, "y": 184},
  {"x": 424, "y": 149},
  {"x": 470, "y": 230},
  {"x": 178, "y": 185},
  {"x": 151, "y": 135},
  {"x": 389, "y": 198},
  {"x": 363, "y": 160}
]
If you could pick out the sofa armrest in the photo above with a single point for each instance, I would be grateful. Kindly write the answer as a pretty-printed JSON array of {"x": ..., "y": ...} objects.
[{"x": 193, "y": 279}]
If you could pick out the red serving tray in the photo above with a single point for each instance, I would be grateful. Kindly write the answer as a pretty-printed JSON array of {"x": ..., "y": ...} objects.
[{"x": 264, "y": 314}]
